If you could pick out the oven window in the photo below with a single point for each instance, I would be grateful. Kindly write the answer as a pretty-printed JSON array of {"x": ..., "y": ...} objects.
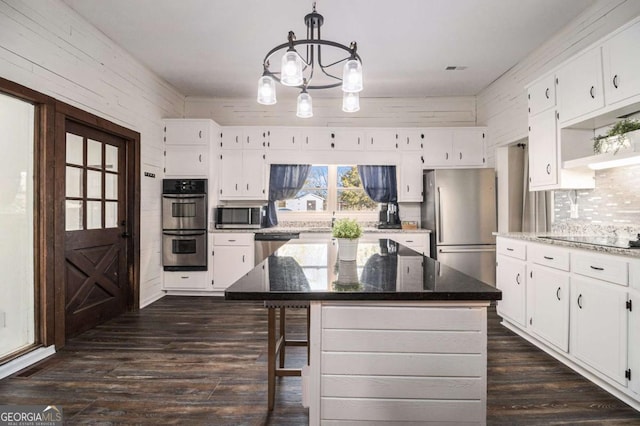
[
  {"x": 183, "y": 246},
  {"x": 183, "y": 210}
]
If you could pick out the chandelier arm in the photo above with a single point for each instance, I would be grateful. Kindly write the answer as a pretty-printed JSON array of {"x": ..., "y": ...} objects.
[{"x": 309, "y": 42}]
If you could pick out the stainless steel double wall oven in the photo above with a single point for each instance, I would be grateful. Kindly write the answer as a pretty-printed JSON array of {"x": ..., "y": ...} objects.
[{"x": 184, "y": 224}]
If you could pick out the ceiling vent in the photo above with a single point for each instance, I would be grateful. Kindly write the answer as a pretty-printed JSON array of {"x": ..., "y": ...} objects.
[{"x": 455, "y": 68}]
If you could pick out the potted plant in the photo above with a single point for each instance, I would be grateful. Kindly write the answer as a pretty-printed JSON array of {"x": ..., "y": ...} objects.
[
  {"x": 618, "y": 137},
  {"x": 347, "y": 231}
]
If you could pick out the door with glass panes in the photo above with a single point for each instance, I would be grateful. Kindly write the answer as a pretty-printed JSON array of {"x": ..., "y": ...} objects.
[{"x": 96, "y": 279}]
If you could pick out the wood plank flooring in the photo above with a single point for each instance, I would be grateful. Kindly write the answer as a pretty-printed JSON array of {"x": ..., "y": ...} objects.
[{"x": 203, "y": 361}]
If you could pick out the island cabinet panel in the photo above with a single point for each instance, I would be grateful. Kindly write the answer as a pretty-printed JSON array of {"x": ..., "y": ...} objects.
[{"x": 400, "y": 362}]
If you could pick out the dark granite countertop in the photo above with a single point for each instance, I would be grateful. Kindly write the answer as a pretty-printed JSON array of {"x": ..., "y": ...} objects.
[{"x": 384, "y": 270}]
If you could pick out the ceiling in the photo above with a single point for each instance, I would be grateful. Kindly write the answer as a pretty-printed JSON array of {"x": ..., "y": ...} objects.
[{"x": 215, "y": 48}]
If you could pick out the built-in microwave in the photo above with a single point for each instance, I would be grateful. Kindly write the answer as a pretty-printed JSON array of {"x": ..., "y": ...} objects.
[{"x": 240, "y": 217}]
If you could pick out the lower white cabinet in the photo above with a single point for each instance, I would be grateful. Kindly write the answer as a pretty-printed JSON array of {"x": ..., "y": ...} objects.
[
  {"x": 511, "y": 280},
  {"x": 599, "y": 326},
  {"x": 548, "y": 305},
  {"x": 410, "y": 273},
  {"x": 634, "y": 344},
  {"x": 186, "y": 280},
  {"x": 233, "y": 257}
]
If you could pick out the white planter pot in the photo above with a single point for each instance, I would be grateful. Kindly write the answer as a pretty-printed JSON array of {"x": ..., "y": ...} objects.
[{"x": 347, "y": 249}]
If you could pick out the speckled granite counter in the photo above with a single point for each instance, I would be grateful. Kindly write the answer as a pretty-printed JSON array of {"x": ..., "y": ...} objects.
[
  {"x": 318, "y": 229},
  {"x": 540, "y": 238}
]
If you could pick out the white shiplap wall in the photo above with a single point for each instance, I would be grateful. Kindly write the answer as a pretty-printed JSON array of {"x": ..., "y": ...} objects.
[
  {"x": 46, "y": 46},
  {"x": 503, "y": 105}
]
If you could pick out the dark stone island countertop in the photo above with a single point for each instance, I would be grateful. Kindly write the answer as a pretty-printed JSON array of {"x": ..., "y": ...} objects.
[{"x": 384, "y": 270}]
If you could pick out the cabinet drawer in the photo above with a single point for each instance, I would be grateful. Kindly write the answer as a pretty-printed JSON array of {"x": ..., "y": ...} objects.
[
  {"x": 512, "y": 248},
  {"x": 552, "y": 257},
  {"x": 602, "y": 267},
  {"x": 185, "y": 280},
  {"x": 235, "y": 239}
]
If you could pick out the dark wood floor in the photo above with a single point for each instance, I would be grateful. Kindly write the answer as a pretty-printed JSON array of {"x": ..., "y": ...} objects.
[{"x": 203, "y": 361}]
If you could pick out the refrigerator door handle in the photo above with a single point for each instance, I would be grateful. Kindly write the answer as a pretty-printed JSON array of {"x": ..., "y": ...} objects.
[
  {"x": 469, "y": 250},
  {"x": 439, "y": 207}
]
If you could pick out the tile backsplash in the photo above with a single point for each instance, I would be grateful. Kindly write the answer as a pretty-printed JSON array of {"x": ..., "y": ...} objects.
[{"x": 612, "y": 207}]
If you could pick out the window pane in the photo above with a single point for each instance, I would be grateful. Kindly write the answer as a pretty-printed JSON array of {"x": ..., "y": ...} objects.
[
  {"x": 94, "y": 154},
  {"x": 73, "y": 215},
  {"x": 355, "y": 200},
  {"x": 111, "y": 214},
  {"x": 307, "y": 200},
  {"x": 111, "y": 186},
  {"x": 73, "y": 182},
  {"x": 348, "y": 177},
  {"x": 94, "y": 184},
  {"x": 94, "y": 214},
  {"x": 111, "y": 157},
  {"x": 74, "y": 149}
]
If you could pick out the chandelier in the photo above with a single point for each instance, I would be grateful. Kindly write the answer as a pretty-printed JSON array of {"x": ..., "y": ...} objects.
[{"x": 298, "y": 70}]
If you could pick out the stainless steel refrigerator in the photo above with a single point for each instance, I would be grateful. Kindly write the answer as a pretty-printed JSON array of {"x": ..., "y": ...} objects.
[{"x": 460, "y": 209}]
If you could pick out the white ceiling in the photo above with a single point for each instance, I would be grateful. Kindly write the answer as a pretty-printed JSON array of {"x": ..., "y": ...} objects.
[{"x": 215, "y": 48}]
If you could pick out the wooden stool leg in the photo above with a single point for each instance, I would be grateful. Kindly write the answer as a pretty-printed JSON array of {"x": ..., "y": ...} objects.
[
  {"x": 271, "y": 358},
  {"x": 283, "y": 335}
]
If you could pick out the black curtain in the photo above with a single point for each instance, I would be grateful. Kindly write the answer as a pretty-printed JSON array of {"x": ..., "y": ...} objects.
[
  {"x": 285, "y": 181},
  {"x": 380, "y": 183}
]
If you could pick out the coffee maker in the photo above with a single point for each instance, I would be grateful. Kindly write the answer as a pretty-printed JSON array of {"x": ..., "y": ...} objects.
[{"x": 389, "y": 217}]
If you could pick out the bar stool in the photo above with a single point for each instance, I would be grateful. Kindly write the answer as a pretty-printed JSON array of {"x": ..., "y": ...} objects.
[{"x": 276, "y": 347}]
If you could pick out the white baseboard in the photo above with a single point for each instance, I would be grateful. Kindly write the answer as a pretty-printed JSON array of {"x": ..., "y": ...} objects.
[
  {"x": 26, "y": 360},
  {"x": 153, "y": 298}
]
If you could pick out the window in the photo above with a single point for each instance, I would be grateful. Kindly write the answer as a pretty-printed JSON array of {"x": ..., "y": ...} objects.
[{"x": 328, "y": 189}]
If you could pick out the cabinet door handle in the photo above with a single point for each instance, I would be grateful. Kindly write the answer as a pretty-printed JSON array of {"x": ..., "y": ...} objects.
[
  {"x": 200, "y": 134},
  {"x": 548, "y": 257},
  {"x": 243, "y": 258},
  {"x": 548, "y": 168},
  {"x": 446, "y": 155},
  {"x": 558, "y": 293},
  {"x": 461, "y": 156},
  {"x": 236, "y": 186},
  {"x": 546, "y": 93},
  {"x": 293, "y": 139},
  {"x": 597, "y": 268},
  {"x": 247, "y": 187},
  {"x": 358, "y": 140},
  {"x": 184, "y": 278},
  {"x": 518, "y": 279},
  {"x": 236, "y": 139},
  {"x": 232, "y": 241},
  {"x": 592, "y": 92},
  {"x": 615, "y": 81},
  {"x": 371, "y": 140},
  {"x": 407, "y": 188},
  {"x": 509, "y": 249},
  {"x": 580, "y": 301},
  {"x": 200, "y": 158}
]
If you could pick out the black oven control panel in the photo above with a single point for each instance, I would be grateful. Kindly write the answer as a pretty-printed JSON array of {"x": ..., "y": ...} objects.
[{"x": 184, "y": 186}]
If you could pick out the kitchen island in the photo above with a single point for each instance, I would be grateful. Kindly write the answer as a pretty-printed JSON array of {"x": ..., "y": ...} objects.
[{"x": 395, "y": 336}]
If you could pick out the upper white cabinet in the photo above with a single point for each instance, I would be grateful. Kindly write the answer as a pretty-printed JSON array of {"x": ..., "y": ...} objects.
[
  {"x": 543, "y": 152},
  {"x": 410, "y": 182},
  {"x": 187, "y": 132},
  {"x": 284, "y": 138},
  {"x": 542, "y": 95},
  {"x": 187, "y": 148},
  {"x": 345, "y": 139},
  {"x": 380, "y": 139},
  {"x": 579, "y": 86},
  {"x": 454, "y": 147},
  {"x": 621, "y": 60},
  {"x": 315, "y": 139},
  {"x": 410, "y": 139},
  {"x": 242, "y": 175},
  {"x": 243, "y": 138}
]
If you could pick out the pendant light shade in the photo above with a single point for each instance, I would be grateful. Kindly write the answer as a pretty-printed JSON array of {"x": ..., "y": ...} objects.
[
  {"x": 266, "y": 90},
  {"x": 305, "y": 105},
  {"x": 352, "y": 76},
  {"x": 350, "y": 102},
  {"x": 291, "y": 70}
]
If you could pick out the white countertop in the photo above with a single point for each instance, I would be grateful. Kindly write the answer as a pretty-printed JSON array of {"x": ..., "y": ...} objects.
[{"x": 535, "y": 237}]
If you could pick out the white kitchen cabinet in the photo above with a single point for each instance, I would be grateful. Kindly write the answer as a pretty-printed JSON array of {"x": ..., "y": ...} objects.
[
  {"x": 418, "y": 241},
  {"x": 543, "y": 150},
  {"x": 233, "y": 137},
  {"x": 621, "y": 60},
  {"x": 579, "y": 86},
  {"x": 542, "y": 95},
  {"x": 381, "y": 139},
  {"x": 456, "y": 147},
  {"x": 346, "y": 139},
  {"x": 410, "y": 273},
  {"x": 315, "y": 139},
  {"x": 409, "y": 139},
  {"x": 599, "y": 326},
  {"x": 186, "y": 161},
  {"x": 187, "y": 132},
  {"x": 242, "y": 175},
  {"x": 410, "y": 182},
  {"x": 511, "y": 280},
  {"x": 285, "y": 138},
  {"x": 185, "y": 280},
  {"x": 548, "y": 305},
  {"x": 233, "y": 257}
]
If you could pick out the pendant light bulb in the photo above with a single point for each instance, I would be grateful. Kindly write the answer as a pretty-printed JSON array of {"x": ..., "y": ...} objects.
[
  {"x": 305, "y": 105},
  {"x": 350, "y": 102},
  {"x": 352, "y": 76},
  {"x": 291, "y": 69},
  {"x": 266, "y": 90}
]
